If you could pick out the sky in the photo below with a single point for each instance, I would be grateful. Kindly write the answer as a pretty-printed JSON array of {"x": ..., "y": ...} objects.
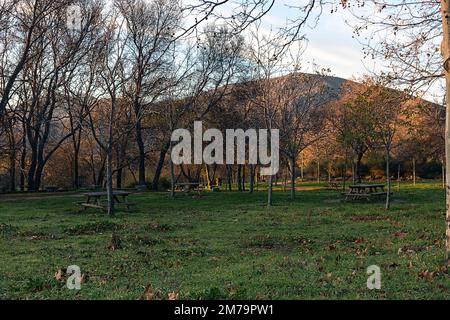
[
  {"x": 330, "y": 42},
  {"x": 332, "y": 45}
]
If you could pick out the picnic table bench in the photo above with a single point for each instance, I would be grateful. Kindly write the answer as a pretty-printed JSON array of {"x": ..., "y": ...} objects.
[
  {"x": 98, "y": 200},
  {"x": 365, "y": 191},
  {"x": 334, "y": 186},
  {"x": 187, "y": 187}
]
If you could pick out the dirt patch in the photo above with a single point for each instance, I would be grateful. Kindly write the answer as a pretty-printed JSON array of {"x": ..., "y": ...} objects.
[
  {"x": 92, "y": 228},
  {"x": 369, "y": 218}
]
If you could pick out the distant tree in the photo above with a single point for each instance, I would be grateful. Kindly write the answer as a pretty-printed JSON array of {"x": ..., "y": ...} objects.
[
  {"x": 301, "y": 113},
  {"x": 151, "y": 28},
  {"x": 387, "y": 120}
]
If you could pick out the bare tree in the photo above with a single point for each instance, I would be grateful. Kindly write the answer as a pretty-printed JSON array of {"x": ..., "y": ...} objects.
[
  {"x": 301, "y": 115},
  {"x": 151, "y": 28}
]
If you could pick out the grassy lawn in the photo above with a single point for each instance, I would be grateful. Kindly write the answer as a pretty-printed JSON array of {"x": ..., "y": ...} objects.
[{"x": 228, "y": 246}]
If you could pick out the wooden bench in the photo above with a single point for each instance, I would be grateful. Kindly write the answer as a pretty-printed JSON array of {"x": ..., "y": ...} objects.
[
  {"x": 334, "y": 186},
  {"x": 368, "y": 192},
  {"x": 96, "y": 200}
]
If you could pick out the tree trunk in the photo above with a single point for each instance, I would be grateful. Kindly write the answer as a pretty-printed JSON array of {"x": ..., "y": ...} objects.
[
  {"x": 443, "y": 174},
  {"x": 38, "y": 176},
  {"x": 358, "y": 168},
  {"x": 76, "y": 168},
  {"x": 292, "y": 161},
  {"x": 344, "y": 186},
  {"x": 252, "y": 179},
  {"x": 414, "y": 171},
  {"x": 303, "y": 168},
  {"x": 229, "y": 170},
  {"x": 119, "y": 178},
  {"x": 270, "y": 192},
  {"x": 243, "y": 178},
  {"x": 141, "y": 150},
  {"x": 318, "y": 171},
  {"x": 109, "y": 179},
  {"x": 445, "y": 10},
  {"x": 159, "y": 167},
  {"x": 12, "y": 170},
  {"x": 208, "y": 178},
  {"x": 172, "y": 175},
  {"x": 399, "y": 177},
  {"x": 353, "y": 172},
  {"x": 239, "y": 178},
  {"x": 32, "y": 170},
  {"x": 388, "y": 175}
]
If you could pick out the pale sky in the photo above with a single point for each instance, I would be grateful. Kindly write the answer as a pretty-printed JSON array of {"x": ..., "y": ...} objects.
[
  {"x": 330, "y": 42},
  {"x": 332, "y": 45}
]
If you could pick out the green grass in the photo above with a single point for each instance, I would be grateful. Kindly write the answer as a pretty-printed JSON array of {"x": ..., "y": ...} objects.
[{"x": 228, "y": 246}]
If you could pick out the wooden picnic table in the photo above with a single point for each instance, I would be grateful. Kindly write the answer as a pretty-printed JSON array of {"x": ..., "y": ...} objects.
[
  {"x": 187, "y": 187},
  {"x": 365, "y": 191},
  {"x": 98, "y": 200}
]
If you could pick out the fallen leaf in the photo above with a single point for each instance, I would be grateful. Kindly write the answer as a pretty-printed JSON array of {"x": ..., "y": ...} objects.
[
  {"x": 401, "y": 234},
  {"x": 150, "y": 294},
  {"x": 84, "y": 278},
  {"x": 173, "y": 296},
  {"x": 429, "y": 276},
  {"x": 58, "y": 275}
]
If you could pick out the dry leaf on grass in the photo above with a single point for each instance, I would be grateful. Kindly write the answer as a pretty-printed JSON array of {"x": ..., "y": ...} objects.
[
  {"x": 151, "y": 294},
  {"x": 173, "y": 296},
  {"x": 59, "y": 275},
  {"x": 429, "y": 276}
]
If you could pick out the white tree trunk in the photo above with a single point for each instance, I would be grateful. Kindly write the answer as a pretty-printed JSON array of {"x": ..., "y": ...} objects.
[{"x": 445, "y": 10}]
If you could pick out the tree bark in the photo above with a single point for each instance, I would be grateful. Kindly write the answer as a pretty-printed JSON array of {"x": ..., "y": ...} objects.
[
  {"x": 119, "y": 178},
  {"x": 252, "y": 179},
  {"x": 443, "y": 173},
  {"x": 141, "y": 149},
  {"x": 239, "y": 177},
  {"x": 414, "y": 171},
  {"x": 445, "y": 10},
  {"x": 270, "y": 192},
  {"x": 76, "y": 168},
  {"x": 358, "y": 168},
  {"x": 229, "y": 170},
  {"x": 243, "y": 178},
  {"x": 159, "y": 167},
  {"x": 388, "y": 176},
  {"x": 109, "y": 178},
  {"x": 292, "y": 161},
  {"x": 318, "y": 171},
  {"x": 12, "y": 170},
  {"x": 303, "y": 168}
]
